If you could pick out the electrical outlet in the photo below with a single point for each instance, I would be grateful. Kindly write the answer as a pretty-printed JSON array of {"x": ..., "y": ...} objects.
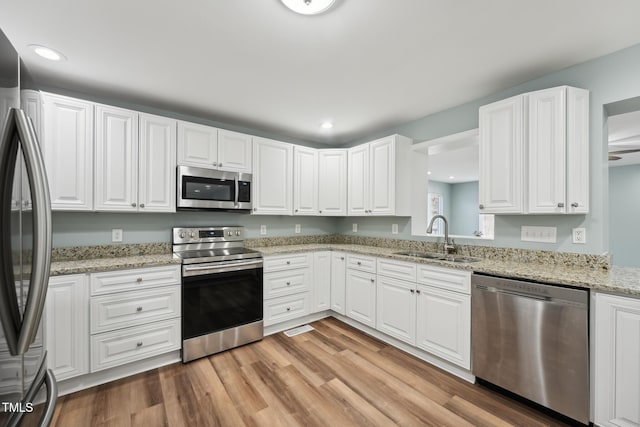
[
  {"x": 263, "y": 230},
  {"x": 394, "y": 228},
  {"x": 538, "y": 234},
  {"x": 297, "y": 228},
  {"x": 580, "y": 236},
  {"x": 117, "y": 234},
  {"x": 354, "y": 228}
]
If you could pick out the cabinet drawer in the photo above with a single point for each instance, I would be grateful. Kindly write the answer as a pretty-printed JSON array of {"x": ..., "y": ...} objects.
[
  {"x": 445, "y": 278},
  {"x": 287, "y": 282},
  {"x": 285, "y": 262},
  {"x": 361, "y": 262},
  {"x": 286, "y": 308},
  {"x": 133, "y": 280},
  {"x": 397, "y": 269},
  {"x": 128, "y": 309},
  {"x": 128, "y": 345}
]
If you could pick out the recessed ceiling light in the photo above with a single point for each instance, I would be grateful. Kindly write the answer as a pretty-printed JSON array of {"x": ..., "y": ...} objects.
[
  {"x": 428, "y": 172},
  {"x": 452, "y": 177},
  {"x": 326, "y": 125},
  {"x": 308, "y": 7},
  {"x": 47, "y": 53}
]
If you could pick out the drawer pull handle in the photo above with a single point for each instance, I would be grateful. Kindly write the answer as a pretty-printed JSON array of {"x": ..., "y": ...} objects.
[
  {"x": 139, "y": 309},
  {"x": 288, "y": 283},
  {"x": 139, "y": 344},
  {"x": 139, "y": 279},
  {"x": 288, "y": 262},
  {"x": 359, "y": 263},
  {"x": 574, "y": 205},
  {"x": 288, "y": 308}
]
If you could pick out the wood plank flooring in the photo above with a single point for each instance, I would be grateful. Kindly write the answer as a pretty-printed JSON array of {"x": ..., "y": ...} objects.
[{"x": 332, "y": 376}]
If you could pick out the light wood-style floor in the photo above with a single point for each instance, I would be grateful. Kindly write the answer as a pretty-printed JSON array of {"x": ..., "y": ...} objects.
[{"x": 333, "y": 376}]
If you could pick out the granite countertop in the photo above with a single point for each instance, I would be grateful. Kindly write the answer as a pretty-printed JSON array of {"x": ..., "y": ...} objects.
[
  {"x": 94, "y": 265},
  {"x": 618, "y": 280}
]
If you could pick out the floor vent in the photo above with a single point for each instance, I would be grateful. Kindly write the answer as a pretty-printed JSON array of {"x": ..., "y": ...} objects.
[{"x": 297, "y": 331}]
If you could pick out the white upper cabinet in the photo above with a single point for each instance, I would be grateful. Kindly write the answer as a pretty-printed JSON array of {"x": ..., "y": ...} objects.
[
  {"x": 67, "y": 143},
  {"x": 135, "y": 161},
  {"x": 234, "y": 151},
  {"x": 358, "y": 181},
  {"x": 272, "y": 177},
  {"x": 209, "y": 147},
  {"x": 305, "y": 181},
  {"x": 332, "y": 177},
  {"x": 116, "y": 186},
  {"x": 534, "y": 153},
  {"x": 379, "y": 177},
  {"x": 197, "y": 145},
  {"x": 501, "y": 170},
  {"x": 157, "y": 177}
]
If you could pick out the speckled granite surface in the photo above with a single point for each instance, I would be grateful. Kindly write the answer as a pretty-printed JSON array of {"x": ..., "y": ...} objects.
[
  {"x": 91, "y": 259},
  {"x": 588, "y": 271},
  {"x": 562, "y": 269}
]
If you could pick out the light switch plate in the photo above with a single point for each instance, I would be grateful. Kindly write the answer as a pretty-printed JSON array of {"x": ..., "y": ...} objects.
[
  {"x": 297, "y": 228},
  {"x": 117, "y": 234},
  {"x": 538, "y": 234},
  {"x": 354, "y": 228},
  {"x": 263, "y": 230},
  {"x": 394, "y": 228}
]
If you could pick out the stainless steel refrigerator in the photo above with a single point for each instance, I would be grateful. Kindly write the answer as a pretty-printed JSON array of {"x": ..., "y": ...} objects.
[{"x": 28, "y": 391}]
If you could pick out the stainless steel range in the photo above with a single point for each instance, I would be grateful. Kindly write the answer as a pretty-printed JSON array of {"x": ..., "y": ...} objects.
[{"x": 221, "y": 290}]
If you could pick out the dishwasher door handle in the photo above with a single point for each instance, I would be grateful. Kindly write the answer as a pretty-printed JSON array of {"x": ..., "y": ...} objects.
[{"x": 512, "y": 293}]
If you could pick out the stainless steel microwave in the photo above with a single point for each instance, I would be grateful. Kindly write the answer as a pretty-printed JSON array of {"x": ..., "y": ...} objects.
[{"x": 200, "y": 188}]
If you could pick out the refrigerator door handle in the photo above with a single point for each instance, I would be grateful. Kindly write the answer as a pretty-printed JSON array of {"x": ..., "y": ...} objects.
[
  {"x": 43, "y": 376},
  {"x": 9, "y": 308},
  {"x": 41, "y": 261}
]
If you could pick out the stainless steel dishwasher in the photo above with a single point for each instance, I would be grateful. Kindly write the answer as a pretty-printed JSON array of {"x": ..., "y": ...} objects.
[{"x": 533, "y": 340}]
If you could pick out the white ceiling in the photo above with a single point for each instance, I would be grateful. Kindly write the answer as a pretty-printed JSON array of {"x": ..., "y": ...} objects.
[
  {"x": 624, "y": 134},
  {"x": 366, "y": 64}
]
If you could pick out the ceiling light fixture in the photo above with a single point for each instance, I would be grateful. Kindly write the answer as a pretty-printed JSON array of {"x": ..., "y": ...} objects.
[
  {"x": 308, "y": 7},
  {"x": 452, "y": 177},
  {"x": 47, "y": 53},
  {"x": 326, "y": 125}
]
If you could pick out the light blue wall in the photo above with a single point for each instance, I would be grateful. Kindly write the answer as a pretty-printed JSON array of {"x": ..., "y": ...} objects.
[
  {"x": 444, "y": 189},
  {"x": 624, "y": 228},
  {"x": 609, "y": 79},
  {"x": 94, "y": 228},
  {"x": 464, "y": 208}
]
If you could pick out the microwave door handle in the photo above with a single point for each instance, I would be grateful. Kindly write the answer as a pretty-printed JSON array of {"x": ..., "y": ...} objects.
[
  {"x": 9, "y": 308},
  {"x": 235, "y": 202},
  {"x": 41, "y": 260}
]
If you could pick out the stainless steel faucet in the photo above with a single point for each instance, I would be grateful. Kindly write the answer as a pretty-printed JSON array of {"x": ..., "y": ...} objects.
[{"x": 448, "y": 246}]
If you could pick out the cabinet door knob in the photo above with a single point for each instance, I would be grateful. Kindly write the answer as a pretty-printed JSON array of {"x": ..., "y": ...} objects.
[
  {"x": 255, "y": 209},
  {"x": 373, "y": 280},
  {"x": 139, "y": 279},
  {"x": 296, "y": 210},
  {"x": 288, "y": 283},
  {"x": 574, "y": 205},
  {"x": 139, "y": 309},
  {"x": 139, "y": 344},
  {"x": 142, "y": 205},
  {"x": 288, "y": 262},
  {"x": 215, "y": 163},
  {"x": 359, "y": 263},
  {"x": 561, "y": 205},
  {"x": 341, "y": 258},
  {"x": 220, "y": 164},
  {"x": 133, "y": 205},
  {"x": 418, "y": 291},
  {"x": 412, "y": 291},
  {"x": 288, "y": 308},
  {"x": 481, "y": 206}
]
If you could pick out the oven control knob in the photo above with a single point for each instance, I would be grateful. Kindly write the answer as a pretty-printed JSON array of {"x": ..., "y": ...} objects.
[
  {"x": 192, "y": 234},
  {"x": 183, "y": 234},
  {"x": 228, "y": 233},
  {"x": 237, "y": 232}
]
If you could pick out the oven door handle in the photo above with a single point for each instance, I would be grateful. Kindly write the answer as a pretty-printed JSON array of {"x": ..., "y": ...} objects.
[
  {"x": 235, "y": 202},
  {"x": 222, "y": 267}
]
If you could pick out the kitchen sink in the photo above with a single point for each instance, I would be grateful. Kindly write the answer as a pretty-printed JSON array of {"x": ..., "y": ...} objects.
[{"x": 442, "y": 257}]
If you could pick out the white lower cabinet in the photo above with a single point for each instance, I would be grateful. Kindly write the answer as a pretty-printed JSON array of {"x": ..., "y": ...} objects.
[
  {"x": 617, "y": 361},
  {"x": 361, "y": 296},
  {"x": 396, "y": 308},
  {"x": 135, "y": 314},
  {"x": 444, "y": 324},
  {"x": 322, "y": 281},
  {"x": 67, "y": 326},
  {"x": 288, "y": 287},
  {"x": 338, "y": 281}
]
